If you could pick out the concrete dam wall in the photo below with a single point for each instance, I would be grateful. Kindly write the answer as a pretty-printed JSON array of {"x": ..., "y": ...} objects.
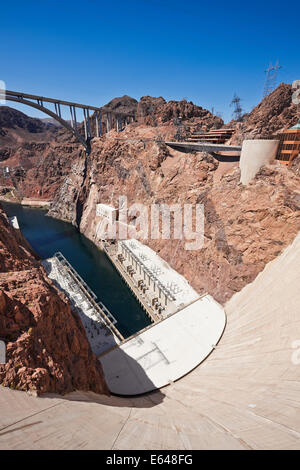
[{"x": 244, "y": 396}]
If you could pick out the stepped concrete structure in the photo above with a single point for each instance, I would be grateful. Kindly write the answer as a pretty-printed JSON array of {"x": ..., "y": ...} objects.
[
  {"x": 255, "y": 154},
  {"x": 245, "y": 395}
]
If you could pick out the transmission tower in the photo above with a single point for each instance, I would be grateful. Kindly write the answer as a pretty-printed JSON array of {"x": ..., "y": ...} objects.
[
  {"x": 271, "y": 78},
  {"x": 237, "y": 112},
  {"x": 179, "y": 128}
]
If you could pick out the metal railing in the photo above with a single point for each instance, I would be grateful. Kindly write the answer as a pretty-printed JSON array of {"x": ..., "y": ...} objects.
[
  {"x": 60, "y": 257},
  {"x": 105, "y": 315}
]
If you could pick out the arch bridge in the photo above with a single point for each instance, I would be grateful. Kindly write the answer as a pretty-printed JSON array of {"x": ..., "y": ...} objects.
[{"x": 95, "y": 125}]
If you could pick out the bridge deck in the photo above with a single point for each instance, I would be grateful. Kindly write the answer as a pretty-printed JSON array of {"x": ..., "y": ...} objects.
[{"x": 45, "y": 99}]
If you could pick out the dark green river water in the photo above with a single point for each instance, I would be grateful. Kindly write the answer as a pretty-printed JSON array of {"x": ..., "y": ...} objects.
[{"x": 47, "y": 235}]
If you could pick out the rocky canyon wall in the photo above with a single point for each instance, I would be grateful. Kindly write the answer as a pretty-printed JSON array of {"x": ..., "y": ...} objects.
[
  {"x": 47, "y": 348},
  {"x": 275, "y": 113},
  {"x": 245, "y": 227}
]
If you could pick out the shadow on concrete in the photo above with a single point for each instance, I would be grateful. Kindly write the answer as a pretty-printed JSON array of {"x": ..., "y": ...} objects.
[
  {"x": 226, "y": 158},
  {"x": 145, "y": 400},
  {"x": 127, "y": 379},
  {"x": 148, "y": 400},
  {"x": 221, "y": 157}
]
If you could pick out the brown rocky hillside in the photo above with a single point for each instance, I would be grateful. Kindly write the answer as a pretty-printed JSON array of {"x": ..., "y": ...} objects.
[
  {"x": 245, "y": 227},
  {"x": 272, "y": 115}
]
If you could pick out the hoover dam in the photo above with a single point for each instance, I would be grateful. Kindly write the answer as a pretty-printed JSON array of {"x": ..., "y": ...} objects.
[
  {"x": 244, "y": 396},
  {"x": 149, "y": 231},
  {"x": 132, "y": 344}
]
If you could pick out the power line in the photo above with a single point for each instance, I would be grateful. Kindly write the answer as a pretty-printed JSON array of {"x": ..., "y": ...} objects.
[
  {"x": 237, "y": 111},
  {"x": 271, "y": 78}
]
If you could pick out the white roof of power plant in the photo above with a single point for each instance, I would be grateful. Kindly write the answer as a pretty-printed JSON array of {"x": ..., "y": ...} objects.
[
  {"x": 165, "y": 351},
  {"x": 172, "y": 283}
]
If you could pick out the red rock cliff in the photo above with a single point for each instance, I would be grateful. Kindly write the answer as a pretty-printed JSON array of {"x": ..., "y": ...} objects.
[
  {"x": 245, "y": 228},
  {"x": 47, "y": 348},
  {"x": 272, "y": 115}
]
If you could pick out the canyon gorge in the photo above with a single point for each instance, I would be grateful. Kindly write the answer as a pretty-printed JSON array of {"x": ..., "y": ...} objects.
[{"x": 246, "y": 227}]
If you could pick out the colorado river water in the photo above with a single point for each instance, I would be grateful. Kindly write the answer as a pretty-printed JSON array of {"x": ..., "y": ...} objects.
[{"x": 47, "y": 235}]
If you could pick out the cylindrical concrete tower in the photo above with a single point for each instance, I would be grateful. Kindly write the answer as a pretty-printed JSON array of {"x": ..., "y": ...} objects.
[{"x": 255, "y": 154}]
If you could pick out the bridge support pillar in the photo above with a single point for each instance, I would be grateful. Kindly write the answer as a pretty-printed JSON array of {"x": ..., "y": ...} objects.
[
  {"x": 74, "y": 117},
  {"x": 85, "y": 124},
  {"x": 57, "y": 109},
  {"x": 97, "y": 124},
  {"x": 100, "y": 124},
  {"x": 88, "y": 123}
]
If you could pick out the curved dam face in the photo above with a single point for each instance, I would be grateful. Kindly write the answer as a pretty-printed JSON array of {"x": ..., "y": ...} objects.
[{"x": 245, "y": 395}]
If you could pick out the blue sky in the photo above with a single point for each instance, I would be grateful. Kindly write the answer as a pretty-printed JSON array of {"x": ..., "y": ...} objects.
[{"x": 92, "y": 51}]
